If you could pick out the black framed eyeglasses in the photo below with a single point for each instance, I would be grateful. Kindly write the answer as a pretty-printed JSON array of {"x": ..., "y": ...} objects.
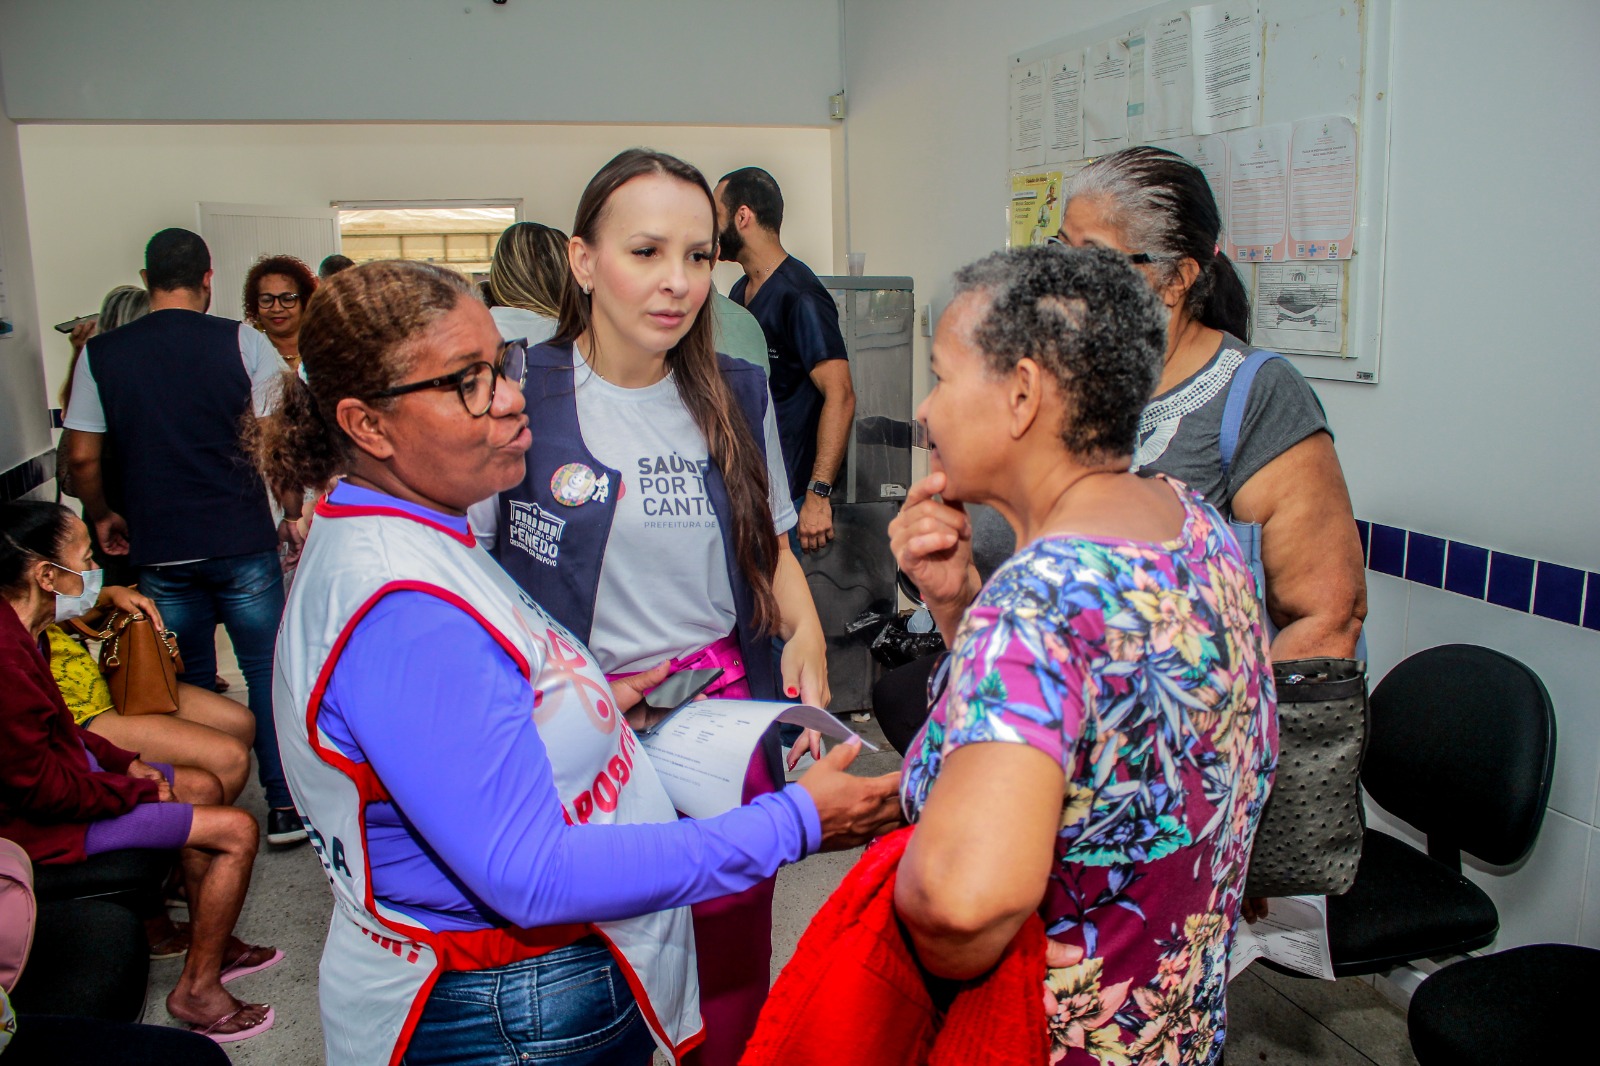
[
  {"x": 1137, "y": 258},
  {"x": 474, "y": 383},
  {"x": 265, "y": 300}
]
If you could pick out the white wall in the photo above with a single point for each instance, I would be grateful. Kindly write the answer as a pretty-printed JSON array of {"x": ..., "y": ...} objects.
[
  {"x": 97, "y": 193},
  {"x": 707, "y": 62},
  {"x": 1483, "y": 425},
  {"x": 24, "y": 414}
]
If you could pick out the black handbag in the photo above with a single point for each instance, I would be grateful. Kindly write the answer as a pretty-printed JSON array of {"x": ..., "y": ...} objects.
[{"x": 1309, "y": 839}]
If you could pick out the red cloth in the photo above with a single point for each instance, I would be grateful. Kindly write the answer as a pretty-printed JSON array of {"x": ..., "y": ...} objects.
[
  {"x": 48, "y": 794},
  {"x": 853, "y": 995}
]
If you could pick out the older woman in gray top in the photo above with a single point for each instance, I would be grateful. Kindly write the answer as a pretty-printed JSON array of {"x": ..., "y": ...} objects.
[{"x": 1283, "y": 476}]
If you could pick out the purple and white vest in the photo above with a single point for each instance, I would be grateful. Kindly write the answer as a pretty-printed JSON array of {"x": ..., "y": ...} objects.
[{"x": 380, "y": 964}]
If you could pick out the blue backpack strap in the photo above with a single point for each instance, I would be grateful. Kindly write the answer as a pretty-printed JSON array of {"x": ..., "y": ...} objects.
[{"x": 1238, "y": 399}]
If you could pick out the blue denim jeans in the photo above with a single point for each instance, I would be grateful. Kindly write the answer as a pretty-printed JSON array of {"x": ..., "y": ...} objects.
[
  {"x": 245, "y": 594},
  {"x": 572, "y": 1007}
]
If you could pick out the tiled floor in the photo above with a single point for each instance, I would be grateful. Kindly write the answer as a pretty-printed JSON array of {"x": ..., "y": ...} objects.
[{"x": 1275, "y": 1020}]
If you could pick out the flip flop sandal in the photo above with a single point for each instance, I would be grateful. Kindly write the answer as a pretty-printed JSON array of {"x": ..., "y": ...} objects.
[
  {"x": 168, "y": 947},
  {"x": 243, "y": 1034},
  {"x": 238, "y": 968}
]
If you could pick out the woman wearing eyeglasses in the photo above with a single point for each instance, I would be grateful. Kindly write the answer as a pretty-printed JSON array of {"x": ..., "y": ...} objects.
[
  {"x": 510, "y": 881},
  {"x": 275, "y": 295}
]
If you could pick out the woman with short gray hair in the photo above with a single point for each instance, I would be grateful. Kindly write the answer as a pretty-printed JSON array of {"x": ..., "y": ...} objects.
[{"x": 1103, "y": 733}]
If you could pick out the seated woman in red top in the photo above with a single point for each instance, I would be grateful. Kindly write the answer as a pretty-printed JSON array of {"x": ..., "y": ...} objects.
[{"x": 66, "y": 793}]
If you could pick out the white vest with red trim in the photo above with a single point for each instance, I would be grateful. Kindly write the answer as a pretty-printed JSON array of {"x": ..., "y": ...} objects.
[{"x": 379, "y": 963}]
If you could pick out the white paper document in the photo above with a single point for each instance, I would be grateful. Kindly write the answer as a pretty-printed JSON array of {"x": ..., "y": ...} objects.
[
  {"x": 1299, "y": 307},
  {"x": 1226, "y": 57},
  {"x": 1168, "y": 83},
  {"x": 1066, "y": 107},
  {"x": 1136, "y": 54},
  {"x": 1027, "y": 115},
  {"x": 1210, "y": 154},
  {"x": 1258, "y": 194},
  {"x": 1105, "y": 98},
  {"x": 1294, "y": 934},
  {"x": 1322, "y": 188},
  {"x": 701, "y": 752}
]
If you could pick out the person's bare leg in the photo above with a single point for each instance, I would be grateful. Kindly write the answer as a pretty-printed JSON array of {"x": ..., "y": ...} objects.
[
  {"x": 205, "y": 707},
  {"x": 172, "y": 738},
  {"x": 217, "y": 861}
]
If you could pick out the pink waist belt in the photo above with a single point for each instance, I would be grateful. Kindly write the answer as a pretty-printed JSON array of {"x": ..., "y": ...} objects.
[{"x": 725, "y": 653}]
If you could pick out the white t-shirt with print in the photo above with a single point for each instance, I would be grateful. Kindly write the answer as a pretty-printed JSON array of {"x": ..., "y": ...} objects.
[{"x": 664, "y": 589}]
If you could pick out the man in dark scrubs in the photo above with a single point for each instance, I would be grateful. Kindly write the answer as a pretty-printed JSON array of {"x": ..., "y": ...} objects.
[{"x": 810, "y": 375}]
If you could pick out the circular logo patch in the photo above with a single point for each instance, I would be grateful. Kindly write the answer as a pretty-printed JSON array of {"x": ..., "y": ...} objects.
[{"x": 572, "y": 484}]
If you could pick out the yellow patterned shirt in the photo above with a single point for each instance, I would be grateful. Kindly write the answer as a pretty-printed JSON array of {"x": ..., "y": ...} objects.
[{"x": 78, "y": 676}]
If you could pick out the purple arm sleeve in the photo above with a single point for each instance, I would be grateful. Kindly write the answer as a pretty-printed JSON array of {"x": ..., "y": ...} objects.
[{"x": 424, "y": 695}]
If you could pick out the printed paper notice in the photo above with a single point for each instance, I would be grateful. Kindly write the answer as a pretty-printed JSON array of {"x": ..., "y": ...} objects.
[
  {"x": 1168, "y": 83},
  {"x": 1136, "y": 54},
  {"x": 1299, "y": 307},
  {"x": 1294, "y": 934},
  {"x": 1258, "y": 194},
  {"x": 1322, "y": 188},
  {"x": 1210, "y": 154},
  {"x": 1036, "y": 207},
  {"x": 701, "y": 752},
  {"x": 1105, "y": 98},
  {"x": 1066, "y": 107},
  {"x": 1027, "y": 115},
  {"x": 1227, "y": 65}
]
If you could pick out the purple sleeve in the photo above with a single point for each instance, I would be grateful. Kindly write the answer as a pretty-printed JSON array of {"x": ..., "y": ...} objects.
[{"x": 445, "y": 719}]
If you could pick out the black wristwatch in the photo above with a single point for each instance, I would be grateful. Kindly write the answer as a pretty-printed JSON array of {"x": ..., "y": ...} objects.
[{"x": 821, "y": 488}]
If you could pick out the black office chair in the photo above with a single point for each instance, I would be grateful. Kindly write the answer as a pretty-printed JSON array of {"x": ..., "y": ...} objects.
[
  {"x": 1506, "y": 1007},
  {"x": 1462, "y": 746}
]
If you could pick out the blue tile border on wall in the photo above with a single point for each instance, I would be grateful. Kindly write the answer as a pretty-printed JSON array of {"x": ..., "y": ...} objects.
[{"x": 1516, "y": 582}]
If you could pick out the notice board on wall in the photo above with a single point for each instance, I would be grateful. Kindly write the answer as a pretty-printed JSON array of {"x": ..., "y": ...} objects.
[{"x": 1283, "y": 104}]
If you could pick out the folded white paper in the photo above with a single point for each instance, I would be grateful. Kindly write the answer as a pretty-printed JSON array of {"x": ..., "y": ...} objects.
[
  {"x": 1294, "y": 934},
  {"x": 701, "y": 752}
]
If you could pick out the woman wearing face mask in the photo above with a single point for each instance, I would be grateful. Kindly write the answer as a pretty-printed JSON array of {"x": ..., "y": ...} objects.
[
  {"x": 207, "y": 730},
  {"x": 659, "y": 463},
  {"x": 66, "y": 793}
]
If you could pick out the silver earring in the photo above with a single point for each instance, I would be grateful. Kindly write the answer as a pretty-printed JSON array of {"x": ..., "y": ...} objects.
[{"x": 588, "y": 289}]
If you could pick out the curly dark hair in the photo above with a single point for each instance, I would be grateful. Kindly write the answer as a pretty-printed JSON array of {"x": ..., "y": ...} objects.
[
  {"x": 1089, "y": 318},
  {"x": 290, "y": 267}
]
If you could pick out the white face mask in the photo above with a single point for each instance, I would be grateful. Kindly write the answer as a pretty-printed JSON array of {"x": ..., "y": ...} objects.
[{"x": 73, "y": 606}]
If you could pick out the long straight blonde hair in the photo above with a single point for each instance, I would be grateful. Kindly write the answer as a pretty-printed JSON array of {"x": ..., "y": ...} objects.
[{"x": 529, "y": 269}]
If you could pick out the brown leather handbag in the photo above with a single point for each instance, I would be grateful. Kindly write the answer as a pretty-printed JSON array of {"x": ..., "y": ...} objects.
[{"x": 141, "y": 663}]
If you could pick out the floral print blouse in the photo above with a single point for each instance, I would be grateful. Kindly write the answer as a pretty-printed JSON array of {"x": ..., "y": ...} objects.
[{"x": 1142, "y": 669}]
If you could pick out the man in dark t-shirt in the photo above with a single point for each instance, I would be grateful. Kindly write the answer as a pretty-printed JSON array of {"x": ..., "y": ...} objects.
[{"x": 810, "y": 374}]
